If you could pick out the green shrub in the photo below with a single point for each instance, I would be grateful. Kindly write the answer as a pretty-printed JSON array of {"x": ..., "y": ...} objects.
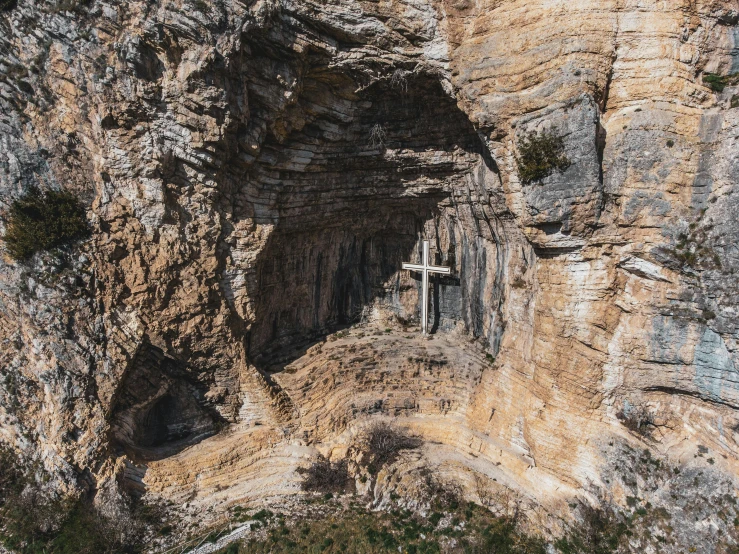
[
  {"x": 539, "y": 155},
  {"x": 44, "y": 220},
  {"x": 262, "y": 515},
  {"x": 717, "y": 83}
]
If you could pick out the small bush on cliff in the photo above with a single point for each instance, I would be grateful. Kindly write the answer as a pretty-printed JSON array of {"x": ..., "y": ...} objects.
[
  {"x": 323, "y": 476},
  {"x": 44, "y": 220},
  {"x": 638, "y": 418},
  {"x": 382, "y": 443},
  {"x": 693, "y": 249},
  {"x": 717, "y": 83},
  {"x": 539, "y": 154},
  {"x": 377, "y": 136}
]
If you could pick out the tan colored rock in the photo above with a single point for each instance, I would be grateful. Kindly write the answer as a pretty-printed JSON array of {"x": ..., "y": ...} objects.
[{"x": 256, "y": 173}]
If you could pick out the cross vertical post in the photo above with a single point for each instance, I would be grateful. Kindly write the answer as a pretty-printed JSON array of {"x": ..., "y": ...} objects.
[{"x": 425, "y": 268}]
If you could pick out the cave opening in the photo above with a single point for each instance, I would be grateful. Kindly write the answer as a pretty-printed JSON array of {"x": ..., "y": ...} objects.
[
  {"x": 164, "y": 423},
  {"x": 161, "y": 407},
  {"x": 352, "y": 190}
]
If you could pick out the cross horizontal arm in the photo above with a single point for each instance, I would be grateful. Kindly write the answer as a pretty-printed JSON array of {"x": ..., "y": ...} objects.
[
  {"x": 414, "y": 267},
  {"x": 437, "y": 269}
]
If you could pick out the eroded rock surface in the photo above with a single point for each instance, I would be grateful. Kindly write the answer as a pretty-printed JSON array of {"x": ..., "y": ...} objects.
[{"x": 256, "y": 172}]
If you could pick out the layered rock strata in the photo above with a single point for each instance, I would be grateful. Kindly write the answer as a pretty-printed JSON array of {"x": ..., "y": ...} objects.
[{"x": 255, "y": 173}]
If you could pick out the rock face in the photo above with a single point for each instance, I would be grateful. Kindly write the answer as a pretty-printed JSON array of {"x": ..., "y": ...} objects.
[{"x": 255, "y": 174}]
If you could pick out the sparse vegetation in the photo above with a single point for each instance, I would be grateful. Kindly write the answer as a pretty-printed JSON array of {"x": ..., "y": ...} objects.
[
  {"x": 452, "y": 526},
  {"x": 338, "y": 335},
  {"x": 323, "y": 476},
  {"x": 44, "y": 220},
  {"x": 600, "y": 532},
  {"x": 34, "y": 522},
  {"x": 382, "y": 443},
  {"x": 638, "y": 418},
  {"x": 693, "y": 249},
  {"x": 540, "y": 154}
]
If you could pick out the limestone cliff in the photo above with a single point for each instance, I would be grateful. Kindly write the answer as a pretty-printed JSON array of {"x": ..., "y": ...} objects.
[{"x": 255, "y": 173}]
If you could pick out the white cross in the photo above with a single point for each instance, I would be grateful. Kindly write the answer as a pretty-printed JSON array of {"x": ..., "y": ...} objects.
[{"x": 425, "y": 269}]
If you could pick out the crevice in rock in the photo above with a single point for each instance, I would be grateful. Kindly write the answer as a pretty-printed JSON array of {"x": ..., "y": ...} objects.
[{"x": 675, "y": 391}]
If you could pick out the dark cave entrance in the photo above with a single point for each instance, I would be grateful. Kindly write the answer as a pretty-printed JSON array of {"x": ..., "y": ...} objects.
[
  {"x": 371, "y": 182},
  {"x": 157, "y": 422},
  {"x": 160, "y": 408},
  {"x": 172, "y": 418}
]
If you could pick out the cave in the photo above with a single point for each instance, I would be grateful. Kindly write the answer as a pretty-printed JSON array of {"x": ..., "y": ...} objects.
[
  {"x": 172, "y": 418},
  {"x": 160, "y": 407},
  {"x": 344, "y": 175},
  {"x": 348, "y": 177},
  {"x": 158, "y": 423},
  {"x": 350, "y": 195}
]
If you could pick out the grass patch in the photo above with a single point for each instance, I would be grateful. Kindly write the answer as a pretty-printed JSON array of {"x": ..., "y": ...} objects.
[
  {"x": 539, "y": 155},
  {"x": 44, "y": 220},
  {"x": 473, "y": 530}
]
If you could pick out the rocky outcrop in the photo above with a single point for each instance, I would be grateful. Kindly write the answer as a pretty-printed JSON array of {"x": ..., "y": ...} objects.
[{"x": 256, "y": 173}]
